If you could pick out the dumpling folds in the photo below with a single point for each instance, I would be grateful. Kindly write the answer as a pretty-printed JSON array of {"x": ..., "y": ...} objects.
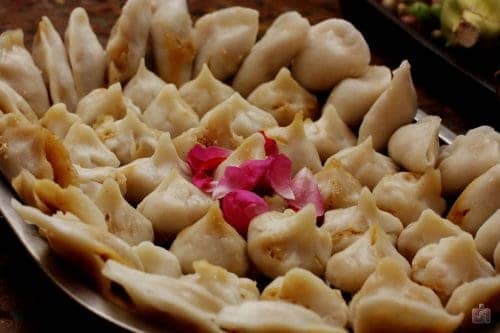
[
  {"x": 18, "y": 70},
  {"x": 488, "y": 236},
  {"x": 85, "y": 53},
  {"x": 284, "y": 98},
  {"x": 446, "y": 265},
  {"x": 143, "y": 87},
  {"x": 349, "y": 268},
  {"x": 173, "y": 41},
  {"x": 390, "y": 302},
  {"x": 12, "y": 102},
  {"x": 205, "y": 92},
  {"x": 212, "y": 239},
  {"x": 364, "y": 163},
  {"x": 50, "y": 56},
  {"x": 353, "y": 97},
  {"x": 347, "y": 225},
  {"x": 334, "y": 50},
  {"x": 276, "y": 49},
  {"x": 128, "y": 41},
  {"x": 224, "y": 38},
  {"x": 168, "y": 112},
  {"x": 416, "y": 146},
  {"x": 301, "y": 287},
  {"x": 468, "y": 157},
  {"x": 102, "y": 103},
  {"x": 157, "y": 260},
  {"x": 395, "y": 107},
  {"x": 278, "y": 242},
  {"x": 90, "y": 179},
  {"x": 174, "y": 205},
  {"x": 59, "y": 120}
]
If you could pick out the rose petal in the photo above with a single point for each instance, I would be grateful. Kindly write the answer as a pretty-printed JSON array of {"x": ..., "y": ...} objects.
[
  {"x": 245, "y": 177},
  {"x": 203, "y": 182},
  {"x": 203, "y": 161},
  {"x": 279, "y": 174},
  {"x": 306, "y": 191},
  {"x": 270, "y": 145},
  {"x": 240, "y": 207}
]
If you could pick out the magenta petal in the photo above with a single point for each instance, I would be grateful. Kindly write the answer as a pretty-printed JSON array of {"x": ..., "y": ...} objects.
[
  {"x": 203, "y": 182},
  {"x": 240, "y": 207},
  {"x": 270, "y": 145},
  {"x": 306, "y": 191},
  {"x": 202, "y": 159},
  {"x": 279, "y": 175}
]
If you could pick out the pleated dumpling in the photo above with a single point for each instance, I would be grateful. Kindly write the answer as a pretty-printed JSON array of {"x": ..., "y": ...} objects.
[
  {"x": 223, "y": 39},
  {"x": 329, "y": 133},
  {"x": 212, "y": 239},
  {"x": 390, "y": 302},
  {"x": 468, "y": 157},
  {"x": 349, "y": 268},
  {"x": 168, "y": 112},
  {"x": 278, "y": 242},
  {"x": 50, "y": 56},
  {"x": 488, "y": 236},
  {"x": 334, "y": 50},
  {"x": 301, "y": 287},
  {"x": 364, "y": 163},
  {"x": 346, "y": 225},
  {"x": 12, "y": 102},
  {"x": 283, "y": 40},
  {"x": 20, "y": 72},
  {"x": 59, "y": 120},
  {"x": 428, "y": 229},
  {"x": 394, "y": 108},
  {"x": 416, "y": 146},
  {"x": 205, "y": 92},
  {"x": 283, "y": 97},
  {"x": 293, "y": 142},
  {"x": 90, "y": 180},
  {"x": 157, "y": 260},
  {"x": 353, "y": 97},
  {"x": 478, "y": 201},
  {"x": 85, "y": 53},
  {"x": 173, "y": 41},
  {"x": 446, "y": 265},
  {"x": 406, "y": 195},
  {"x": 128, "y": 40},
  {"x": 143, "y": 87},
  {"x": 174, "y": 205},
  {"x": 102, "y": 103}
]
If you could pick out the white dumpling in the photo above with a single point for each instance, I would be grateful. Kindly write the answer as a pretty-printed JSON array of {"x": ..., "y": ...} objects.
[
  {"x": 59, "y": 120},
  {"x": 50, "y": 56},
  {"x": 212, "y": 239},
  {"x": 449, "y": 263},
  {"x": 174, "y": 205},
  {"x": 416, "y": 146},
  {"x": 12, "y": 102},
  {"x": 102, "y": 102},
  {"x": 334, "y": 50},
  {"x": 283, "y": 97},
  {"x": 478, "y": 201},
  {"x": 278, "y": 242},
  {"x": 157, "y": 260},
  {"x": 354, "y": 96},
  {"x": 173, "y": 41},
  {"x": 223, "y": 39},
  {"x": 488, "y": 236},
  {"x": 276, "y": 49},
  {"x": 349, "y": 268},
  {"x": 205, "y": 92},
  {"x": 18, "y": 70},
  {"x": 406, "y": 195},
  {"x": 128, "y": 40},
  {"x": 364, "y": 163},
  {"x": 168, "y": 112},
  {"x": 85, "y": 53},
  {"x": 347, "y": 225},
  {"x": 90, "y": 179},
  {"x": 428, "y": 229},
  {"x": 301, "y": 287},
  {"x": 395, "y": 107},
  {"x": 390, "y": 302},
  {"x": 293, "y": 142},
  {"x": 143, "y": 87},
  {"x": 468, "y": 157}
]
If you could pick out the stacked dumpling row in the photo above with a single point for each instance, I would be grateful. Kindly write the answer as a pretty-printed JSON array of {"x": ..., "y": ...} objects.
[{"x": 106, "y": 173}]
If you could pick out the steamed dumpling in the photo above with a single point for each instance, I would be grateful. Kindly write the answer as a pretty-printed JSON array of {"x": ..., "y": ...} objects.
[
  {"x": 12, "y": 102},
  {"x": 157, "y": 260},
  {"x": 284, "y": 98},
  {"x": 59, "y": 120},
  {"x": 223, "y": 39},
  {"x": 90, "y": 179},
  {"x": 395, "y": 107},
  {"x": 496, "y": 258},
  {"x": 212, "y": 239},
  {"x": 276, "y": 49},
  {"x": 278, "y": 242},
  {"x": 353, "y": 97},
  {"x": 488, "y": 236},
  {"x": 416, "y": 146},
  {"x": 143, "y": 87},
  {"x": 102, "y": 103}
]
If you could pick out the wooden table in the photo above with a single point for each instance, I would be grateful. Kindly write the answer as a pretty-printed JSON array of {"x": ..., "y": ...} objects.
[{"x": 28, "y": 300}]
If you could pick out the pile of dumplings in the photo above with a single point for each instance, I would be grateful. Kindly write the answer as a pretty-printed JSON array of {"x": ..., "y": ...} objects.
[{"x": 94, "y": 141}]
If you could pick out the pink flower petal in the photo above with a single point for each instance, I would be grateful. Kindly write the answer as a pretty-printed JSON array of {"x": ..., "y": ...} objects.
[
  {"x": 306, "y": 191},
  {"x": 240, "y": 207},
  {"x": 203, "y": 161},
  {"x": 279, "y": 174},
  {"x": 270, "y": 145},
  {"x": 203, "y": 182},
  {"x": 245, "y": 177}
]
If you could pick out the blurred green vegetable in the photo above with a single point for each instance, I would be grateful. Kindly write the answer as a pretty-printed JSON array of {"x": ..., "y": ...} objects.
[{"x": 420, "y": 10}]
